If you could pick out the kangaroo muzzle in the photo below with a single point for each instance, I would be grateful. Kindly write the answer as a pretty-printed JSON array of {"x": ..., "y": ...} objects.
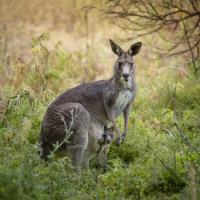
[{"x": 125, "y": 72}]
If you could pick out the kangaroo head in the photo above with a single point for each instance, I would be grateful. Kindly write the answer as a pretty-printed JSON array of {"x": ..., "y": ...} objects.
[
  {"x": 108, "y": 135},
  {"x": 124, "y": 66}
]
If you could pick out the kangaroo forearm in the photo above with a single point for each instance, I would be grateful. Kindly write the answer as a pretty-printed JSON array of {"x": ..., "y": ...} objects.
[
  {"x": 126, "y": 117},
  {"x": 125, "y": 122},
  {"x": 125, "y": 125}
]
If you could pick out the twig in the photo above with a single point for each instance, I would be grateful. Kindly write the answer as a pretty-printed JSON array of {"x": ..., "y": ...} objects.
[
  {"x": 181, "y": 133},
  {"x": 183, "y": 136},
  {"x": 67, "y": 131}
]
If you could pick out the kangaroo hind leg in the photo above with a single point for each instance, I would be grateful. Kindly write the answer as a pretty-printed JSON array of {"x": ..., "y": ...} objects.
[{"x": 80, "y": 136}]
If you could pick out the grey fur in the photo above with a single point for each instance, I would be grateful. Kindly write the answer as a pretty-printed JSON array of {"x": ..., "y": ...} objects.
[{"x": 96, "y": 103}]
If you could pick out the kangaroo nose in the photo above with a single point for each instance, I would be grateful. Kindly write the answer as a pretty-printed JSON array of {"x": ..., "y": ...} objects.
[
  {"x": 125, "y": 76},
  {"x": 108, "y": 141}
]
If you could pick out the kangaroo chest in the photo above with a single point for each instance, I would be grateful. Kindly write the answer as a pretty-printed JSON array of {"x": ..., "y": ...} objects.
[{"x": 123, "y": 99}]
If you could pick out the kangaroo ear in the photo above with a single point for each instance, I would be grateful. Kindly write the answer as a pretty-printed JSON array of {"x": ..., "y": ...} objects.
[
  {"x": 115, "y": 48},
  {"x": 134, "y": 49}
]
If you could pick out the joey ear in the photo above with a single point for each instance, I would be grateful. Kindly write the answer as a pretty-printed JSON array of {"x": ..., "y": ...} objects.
[
  {"x": 112, "y": 128},
  {"x": 134, "y": 49},
  {"x": 115, "y": 48}
]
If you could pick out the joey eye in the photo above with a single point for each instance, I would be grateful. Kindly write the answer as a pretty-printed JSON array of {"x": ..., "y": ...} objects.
[{"x": 111, "y": 135}]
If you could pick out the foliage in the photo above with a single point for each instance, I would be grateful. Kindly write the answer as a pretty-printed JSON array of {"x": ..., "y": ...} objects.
[{"x": 154, "y": 162}]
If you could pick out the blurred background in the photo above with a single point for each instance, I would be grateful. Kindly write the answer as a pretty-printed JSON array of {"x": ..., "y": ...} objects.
[
  {"x": 42, "y": 29},
  {"x": 48, "y": 46}
]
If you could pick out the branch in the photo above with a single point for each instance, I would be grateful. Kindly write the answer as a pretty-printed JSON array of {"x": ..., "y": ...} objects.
[{"x": 146, "y": 17}]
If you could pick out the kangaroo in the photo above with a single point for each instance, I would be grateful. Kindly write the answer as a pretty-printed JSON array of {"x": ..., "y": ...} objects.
[{"x": 96, "y": 104}]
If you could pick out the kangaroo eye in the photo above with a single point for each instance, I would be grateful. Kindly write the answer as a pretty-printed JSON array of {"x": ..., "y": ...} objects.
[
  {"x": 111, "y": 135},
  {"x": 131, "y": 65},
  {"x": 120, "y": 65}
]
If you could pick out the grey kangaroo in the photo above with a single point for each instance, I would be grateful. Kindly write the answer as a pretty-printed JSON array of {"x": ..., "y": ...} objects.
[{"x": 96, "y": 104}]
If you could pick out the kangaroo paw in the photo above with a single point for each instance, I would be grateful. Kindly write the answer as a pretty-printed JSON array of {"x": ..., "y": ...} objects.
[
  {"x": 118, "y": 141},
  {"x": 123, "y": 137}
]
